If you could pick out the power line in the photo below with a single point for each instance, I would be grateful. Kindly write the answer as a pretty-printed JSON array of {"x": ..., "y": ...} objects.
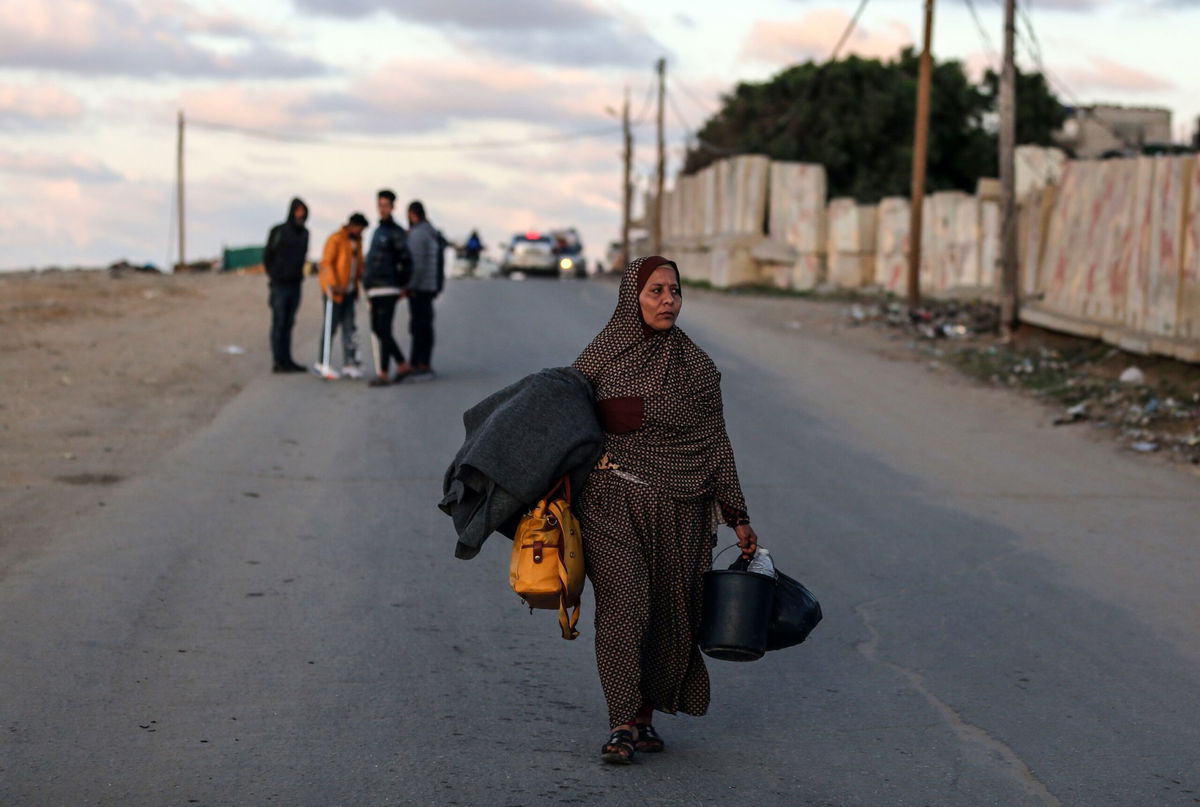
[
  {"x": 647, "y": 101},
  {"x": 989, "y": 50},
  {"x": 480, "y": 145},
  {"x": 701, "y": 105}
]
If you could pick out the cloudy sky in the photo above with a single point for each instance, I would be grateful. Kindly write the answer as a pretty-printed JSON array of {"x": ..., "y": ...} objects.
[{"x": 491, "y": 111}]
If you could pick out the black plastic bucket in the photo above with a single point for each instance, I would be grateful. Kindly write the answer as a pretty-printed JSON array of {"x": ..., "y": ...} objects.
[{"x": 737, "y": 611}]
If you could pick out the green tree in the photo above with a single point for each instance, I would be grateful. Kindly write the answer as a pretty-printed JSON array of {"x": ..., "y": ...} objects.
[{"x": 855, "y": 117}]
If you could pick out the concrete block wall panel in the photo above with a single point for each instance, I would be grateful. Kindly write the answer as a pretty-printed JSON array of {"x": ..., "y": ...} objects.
[
  {"x": 1137, "y": 255},
  {"x": 796, "y": 205},
  {"x": 1037, "y": 167},
  {"x": 1171, "y": 178},
  {"x": 1057, "y": 257},
  {"x": 1188, "y": 318},
  {"x": 809, "y": 271},
  {"x": 710, "y": 192},
  {"x": 989, "y": 243},
  {"x": 943, "y": 252},
  {"x": 744, "y": 181},
  {"x": 891, "y": 244},
  {"x": 732, "y": 264},
  {"x": 962, "y": 255}
]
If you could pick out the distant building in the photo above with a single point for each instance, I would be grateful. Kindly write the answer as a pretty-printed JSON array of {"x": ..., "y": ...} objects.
[{"x": 1100, "y": 129}]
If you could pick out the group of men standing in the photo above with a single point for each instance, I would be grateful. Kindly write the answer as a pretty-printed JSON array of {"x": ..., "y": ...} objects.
[{"x": 399, "y": 264}]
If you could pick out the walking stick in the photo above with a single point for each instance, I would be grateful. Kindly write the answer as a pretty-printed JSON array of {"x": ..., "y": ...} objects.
[{"x": 323, "y": 368}]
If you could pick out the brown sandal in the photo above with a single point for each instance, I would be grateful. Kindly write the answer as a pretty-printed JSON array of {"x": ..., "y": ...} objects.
[{"x": 619, "y": 748}]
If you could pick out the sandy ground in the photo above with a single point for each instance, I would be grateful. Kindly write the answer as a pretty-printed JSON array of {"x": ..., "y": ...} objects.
[{"x": 102, "y": 372}]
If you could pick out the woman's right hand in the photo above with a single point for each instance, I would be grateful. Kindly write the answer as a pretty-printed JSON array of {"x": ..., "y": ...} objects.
[{"x": 747, "y": 539}]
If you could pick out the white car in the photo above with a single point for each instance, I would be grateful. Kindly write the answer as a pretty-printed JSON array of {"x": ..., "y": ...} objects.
[{"x": 530, "y": 253}]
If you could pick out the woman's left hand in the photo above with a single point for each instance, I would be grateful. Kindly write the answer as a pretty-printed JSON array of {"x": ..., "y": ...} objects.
[{"x": 747, "y": 539}]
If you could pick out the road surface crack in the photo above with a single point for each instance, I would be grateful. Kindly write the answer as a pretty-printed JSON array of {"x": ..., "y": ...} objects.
[{"x": 966, "y": 731}]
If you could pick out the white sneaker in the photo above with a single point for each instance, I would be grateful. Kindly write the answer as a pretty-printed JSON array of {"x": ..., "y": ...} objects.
[
  {"x": 352, "y": 371},
  {"x": 325, "y": 371}
]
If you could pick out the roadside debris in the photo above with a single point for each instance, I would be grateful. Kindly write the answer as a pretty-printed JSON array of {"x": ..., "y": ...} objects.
[{"x": 1153, "y": 405}]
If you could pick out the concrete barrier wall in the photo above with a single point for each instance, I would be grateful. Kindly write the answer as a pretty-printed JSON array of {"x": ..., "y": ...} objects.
[
  {"x": 1117, "y": 255},
  {"x": 1109, "y": 249}
]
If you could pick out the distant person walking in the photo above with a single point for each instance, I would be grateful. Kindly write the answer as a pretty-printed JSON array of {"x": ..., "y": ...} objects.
[
  {"x": 389, "y": 269},
  {"x": 283, "y": 258},
  {"x": 340, "y": 276},
  {"x": 472, "y": 250},
  {"x": 428, "y": 254}
]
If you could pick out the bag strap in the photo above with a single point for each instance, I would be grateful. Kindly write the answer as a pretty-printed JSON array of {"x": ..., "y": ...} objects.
[
  {"x": 565, "y": 485},
  {"x": 565, "y": 623}
]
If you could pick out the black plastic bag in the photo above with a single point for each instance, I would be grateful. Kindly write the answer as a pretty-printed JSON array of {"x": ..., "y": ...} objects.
[
  {"x": 794, "y": 610},
  {"x": 794, "y": 613}
]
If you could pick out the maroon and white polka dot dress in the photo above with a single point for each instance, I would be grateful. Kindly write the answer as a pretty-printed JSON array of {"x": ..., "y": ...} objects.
[{"x": 649, "y": 510}]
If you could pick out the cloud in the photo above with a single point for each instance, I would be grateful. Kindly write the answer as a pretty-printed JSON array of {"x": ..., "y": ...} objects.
[
  {"x": 1105, "y": 74},
  {"x": 73, "y": 168},
  {"x": 815, "y": 35},
  {"x": 568, "y": 32},
  {"x": 387, "y": 103},
  {"x": 36, "y": 106},
  {"x": 148, "y": 39}
]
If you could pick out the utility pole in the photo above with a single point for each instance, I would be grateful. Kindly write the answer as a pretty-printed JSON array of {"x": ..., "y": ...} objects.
[
  {"x": 1009, "y": 289},
  {"x": 920, "y": 150},
  {"x": 626, "y": 182},
  {"x": 656, "y": 226},
  {"x": 182, "y": 265}
]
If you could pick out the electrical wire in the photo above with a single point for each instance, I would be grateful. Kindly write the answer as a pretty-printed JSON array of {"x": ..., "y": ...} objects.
[
  {"x": 989, "y": 50},
  {"x": 701, "y": 105},
  {"x": 480, "y": 145}
]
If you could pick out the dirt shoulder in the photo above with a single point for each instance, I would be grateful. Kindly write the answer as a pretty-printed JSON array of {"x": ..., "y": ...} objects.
[{"x": 104, "y": 371}]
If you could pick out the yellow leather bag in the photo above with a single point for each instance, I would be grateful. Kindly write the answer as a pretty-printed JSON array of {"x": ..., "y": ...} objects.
[{"x": 546, "y": 569}]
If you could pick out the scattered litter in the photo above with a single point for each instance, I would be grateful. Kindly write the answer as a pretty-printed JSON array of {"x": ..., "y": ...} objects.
[
  {"x": 793, "y": 325},
  {"x": 857, "y": 314},
  {"x": 1132, "y": 375},
  {"x": 150, "y": 294},
  {"x": 1145, "y": 447},
  {"x": 1074, "y": 414},
  {"x": 233, "y": 350}
]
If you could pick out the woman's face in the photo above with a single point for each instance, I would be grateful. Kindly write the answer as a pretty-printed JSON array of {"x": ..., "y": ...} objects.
[{"x": 661, "y": 298}]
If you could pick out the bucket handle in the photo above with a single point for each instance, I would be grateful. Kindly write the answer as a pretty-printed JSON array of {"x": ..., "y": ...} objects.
[{"x": 722, "y": 552}]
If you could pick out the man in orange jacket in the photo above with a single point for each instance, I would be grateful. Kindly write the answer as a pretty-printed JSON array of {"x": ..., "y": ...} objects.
[{"x": 340, "y": 276}]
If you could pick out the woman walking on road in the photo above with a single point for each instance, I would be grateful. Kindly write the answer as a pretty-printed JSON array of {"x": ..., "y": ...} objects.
[{"x": 650, "y": 506}]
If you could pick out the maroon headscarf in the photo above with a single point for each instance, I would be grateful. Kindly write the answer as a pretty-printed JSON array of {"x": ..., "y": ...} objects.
[{"x": 680, "y": 445}]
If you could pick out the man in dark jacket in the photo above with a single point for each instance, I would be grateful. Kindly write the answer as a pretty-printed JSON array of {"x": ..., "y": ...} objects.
[
  {"x": 389, "y": 268},
  {"x": 428, "y": 255},
  {"x": 284, "y": 256}
]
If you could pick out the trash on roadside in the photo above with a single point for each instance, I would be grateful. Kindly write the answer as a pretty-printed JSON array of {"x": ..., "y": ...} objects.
[
  {"x": 856, "y": 314},
  {"x": 1074, "y": 414},
  {"x": 233, "y": 350},
  {"x": 1132, "y": 375},
  {"x": 1144, "y": 446}
]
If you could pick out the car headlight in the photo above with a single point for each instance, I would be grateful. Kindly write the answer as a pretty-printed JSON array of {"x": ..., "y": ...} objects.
[{"x": 566, "y": 263}]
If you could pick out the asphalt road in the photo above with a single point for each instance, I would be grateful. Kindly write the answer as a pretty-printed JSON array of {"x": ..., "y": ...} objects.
[{"x": 271, "y": 614}]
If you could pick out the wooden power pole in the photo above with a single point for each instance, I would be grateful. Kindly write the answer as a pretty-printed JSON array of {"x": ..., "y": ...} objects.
[
  {"x": 182, "y": 265},
  {"x": 920, "y": 150},
  {"x": 626, "y": 182},
  {"x": 656, "y": 226},
  {"x": 1009, "y": 288}
]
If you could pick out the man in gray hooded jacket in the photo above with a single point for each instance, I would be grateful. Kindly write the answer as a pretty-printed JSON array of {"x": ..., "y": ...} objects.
[{"x": 427, "y": 246}]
